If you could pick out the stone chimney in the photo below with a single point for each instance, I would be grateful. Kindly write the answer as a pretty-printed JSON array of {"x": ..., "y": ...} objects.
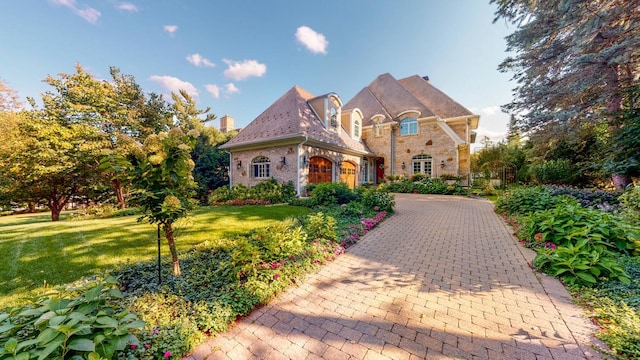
[{"x": 226, "y": 124}]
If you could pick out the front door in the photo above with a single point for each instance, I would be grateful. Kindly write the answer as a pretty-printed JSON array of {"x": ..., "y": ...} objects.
[
  {"x": 320, "y": 170},
  {"x": 379, "y": 170},
  {"x": 348, "y": 174}
]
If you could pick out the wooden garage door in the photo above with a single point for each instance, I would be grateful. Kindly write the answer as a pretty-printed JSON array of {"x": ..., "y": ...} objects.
[
  {"x": 348, "y": 174},
  {"x": 320, "y": 170}
]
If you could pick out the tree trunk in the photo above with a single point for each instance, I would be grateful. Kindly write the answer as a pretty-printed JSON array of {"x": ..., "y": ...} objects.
[
  {"x": 56, "y": 204},
  {"x": 614, "y": 105},
  {"x": 168, "y": 232},
  {"x": 31, "y": 206},
  {"x": 117, "y": 188}
]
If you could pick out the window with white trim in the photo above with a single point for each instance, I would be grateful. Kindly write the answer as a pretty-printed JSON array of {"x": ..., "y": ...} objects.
[
  {"x": 261, "y": 167},
  {"x": 365, "y": 169},
  {"x": 333, "y": 118},
  {"x": 422, "y": 164},
  {"x": 356, "y": 129},
  {"x": 409, "y": 126}
]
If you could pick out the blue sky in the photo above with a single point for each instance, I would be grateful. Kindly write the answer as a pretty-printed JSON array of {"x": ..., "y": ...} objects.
[{"x": 238, "y": 57}]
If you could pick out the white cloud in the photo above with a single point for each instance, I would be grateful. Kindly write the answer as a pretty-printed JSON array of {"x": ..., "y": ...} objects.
[
  {"x": 171, "y": 29},
  {"x": 214, "y": 90},
  {"x": 127, "y": 7},
  {"x": 490, "y": 110},
  {"x": 88, "y": 13},
  {"x": 493, "y": 124},
  {"x": 313, "y": 41},
  {"x": 241, "y": 70},
  {"x": 174, "y": 84},
  {"x": 198, "y": 60},
  {"x": 230, "y": 89}
]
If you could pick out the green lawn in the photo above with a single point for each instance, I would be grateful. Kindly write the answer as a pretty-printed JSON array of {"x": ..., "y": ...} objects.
[{"x": 37, "y": 251}]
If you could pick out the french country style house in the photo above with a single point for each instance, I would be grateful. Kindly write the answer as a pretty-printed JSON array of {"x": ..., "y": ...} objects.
[{"x": 391, "y": 127}]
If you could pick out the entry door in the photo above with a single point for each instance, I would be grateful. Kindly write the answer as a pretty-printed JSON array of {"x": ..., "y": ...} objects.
[
  {"x": 348, "y": 174},
  {"x": 379, "y": 170},
  {"x": 320, "y": 170}
]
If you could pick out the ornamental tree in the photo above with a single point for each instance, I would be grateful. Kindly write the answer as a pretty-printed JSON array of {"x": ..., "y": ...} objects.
[{"x": 164, "y": 182}]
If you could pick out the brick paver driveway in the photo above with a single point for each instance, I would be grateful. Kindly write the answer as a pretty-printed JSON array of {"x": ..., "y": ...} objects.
[{"x": 441, "y": 279}]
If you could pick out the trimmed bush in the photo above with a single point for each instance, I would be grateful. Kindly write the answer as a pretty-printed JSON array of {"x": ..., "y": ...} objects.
[{"x": 331, "y": 193}]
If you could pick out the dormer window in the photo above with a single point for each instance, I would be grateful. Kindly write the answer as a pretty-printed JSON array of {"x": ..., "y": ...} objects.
[{"x": 356, "y": 129}]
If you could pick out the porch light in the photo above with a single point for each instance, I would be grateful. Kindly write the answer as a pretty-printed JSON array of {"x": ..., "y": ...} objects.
[
  {"x": 404, "y": 166},
  {"x": 283, "y": 160},
  {"x": 442, "y": 164},
  {"x": 239, "y": 164}
]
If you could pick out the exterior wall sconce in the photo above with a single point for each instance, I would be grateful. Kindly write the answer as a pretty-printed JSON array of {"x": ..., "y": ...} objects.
[
  {"x": 239, "y": 164},
  {"x": 404, "y": 166},
  {"x": 442, "y": 164},
  {"x": 283, "y": 161},
  {"x": 305, "y": 160}
]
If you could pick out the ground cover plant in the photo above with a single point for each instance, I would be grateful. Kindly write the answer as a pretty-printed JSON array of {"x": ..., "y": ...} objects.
[
  {"x": 48, "y": 253},
  {"x": 593, "y": 251}
]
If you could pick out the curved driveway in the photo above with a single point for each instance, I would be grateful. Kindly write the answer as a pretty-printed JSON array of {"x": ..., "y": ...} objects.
[{"x": 441, "y": 279}]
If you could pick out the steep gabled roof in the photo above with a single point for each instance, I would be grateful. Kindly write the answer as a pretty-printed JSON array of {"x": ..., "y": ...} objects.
[
  {"x": 433, "y": 98},
  {"x": 390, "y": 97},
  {"x": 291, "y": 117}
]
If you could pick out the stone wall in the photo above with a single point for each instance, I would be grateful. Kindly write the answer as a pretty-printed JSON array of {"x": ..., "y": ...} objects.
[
  {"x": 431, "y": 140},
  {"x": 282, "y": 172}
]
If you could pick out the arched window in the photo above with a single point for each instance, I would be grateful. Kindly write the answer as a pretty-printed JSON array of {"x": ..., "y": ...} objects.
[
  {"x": 422, "y": 164},
  {"x": 356, "y": 129},
  {"x": 333, "y": 118},
  {"x": 261, "y": 167},
  {"x": 409, "y": 126}
]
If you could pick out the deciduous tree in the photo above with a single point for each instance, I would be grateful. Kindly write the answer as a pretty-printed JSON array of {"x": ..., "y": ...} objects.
[{"x": 165, "y": 183}]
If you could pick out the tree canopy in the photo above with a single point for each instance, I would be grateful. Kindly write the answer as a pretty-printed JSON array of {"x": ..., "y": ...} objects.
[{"x": 572, "y": 59}]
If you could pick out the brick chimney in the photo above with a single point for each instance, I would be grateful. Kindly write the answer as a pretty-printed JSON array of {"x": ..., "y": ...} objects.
[{"x": 226, "y": 124}]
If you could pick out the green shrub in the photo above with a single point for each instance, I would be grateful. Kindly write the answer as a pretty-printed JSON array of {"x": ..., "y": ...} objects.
[
  {"x": 525, "y": 200},
  {"x": 378, "y": 200},
  {"x": 266, "y": 192},
  {"x": 568, "y": 223},
  {"x": 582, "y": 263},
  {"x": 331, "y": 193},
  {"x": 630, "y": 205},
  {"x": 559, "y": 171},
  {"x": 220, "y": 195},
  {"x": 425, "y": 186},
  {"x": 79, "y": 320},
  {"x": 320, "y": 227},
  {"x": 306, "y": 202},
  {"x": 578, "y": 245}
]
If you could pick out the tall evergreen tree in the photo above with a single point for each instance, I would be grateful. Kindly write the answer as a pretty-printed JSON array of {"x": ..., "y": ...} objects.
[{"x": 573, "y": 59}]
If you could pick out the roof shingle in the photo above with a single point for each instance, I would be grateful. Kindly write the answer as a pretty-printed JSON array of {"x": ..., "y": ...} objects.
[{"x": 291, "y": 116}]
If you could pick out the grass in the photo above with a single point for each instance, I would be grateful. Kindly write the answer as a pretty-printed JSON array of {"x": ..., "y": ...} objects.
[{"x": 43, "y": 253}]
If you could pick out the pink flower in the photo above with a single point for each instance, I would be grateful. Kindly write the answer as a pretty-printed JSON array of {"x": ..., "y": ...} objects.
[
  {"x": 167, "y": 354},
  {"x": 276, "y": 276},
  {"x": 146, "y": 346},
  {"x": 133, "y": 346}
]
